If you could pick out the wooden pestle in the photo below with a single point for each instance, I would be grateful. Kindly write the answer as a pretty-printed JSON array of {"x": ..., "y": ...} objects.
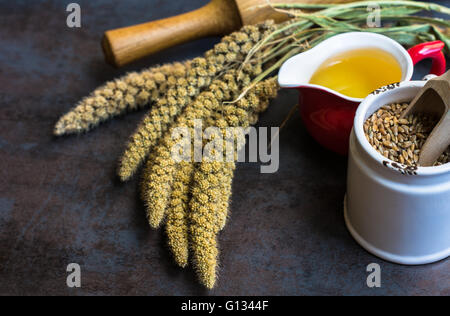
[
  {"x": 434, "y": 99},
  {"x": 219, "y": 17}
]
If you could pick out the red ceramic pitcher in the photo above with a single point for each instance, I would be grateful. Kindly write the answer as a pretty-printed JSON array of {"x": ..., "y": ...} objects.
[{"x": 328, "y": 115}]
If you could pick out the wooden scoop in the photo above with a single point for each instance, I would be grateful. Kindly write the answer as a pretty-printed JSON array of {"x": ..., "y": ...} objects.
[
  {"x": 434, "y": 98},
  {"x": 219, "y": 17}
]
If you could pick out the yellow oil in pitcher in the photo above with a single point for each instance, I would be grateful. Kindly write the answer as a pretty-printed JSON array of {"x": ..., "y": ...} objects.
[{"x": 359, "y": 72}]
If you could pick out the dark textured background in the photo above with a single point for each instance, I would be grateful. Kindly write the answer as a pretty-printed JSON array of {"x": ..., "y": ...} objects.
[{"x": 60, "y": 201}]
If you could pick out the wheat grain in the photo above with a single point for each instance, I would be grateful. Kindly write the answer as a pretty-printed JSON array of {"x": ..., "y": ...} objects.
[{"x": 401, "y": 139}]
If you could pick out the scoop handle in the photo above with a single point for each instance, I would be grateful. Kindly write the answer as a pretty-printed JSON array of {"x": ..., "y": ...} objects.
[
  {"x": 439, "y": 139},
  {"x": 125, "y": 45},
  {"x": 437, "y": 143}
]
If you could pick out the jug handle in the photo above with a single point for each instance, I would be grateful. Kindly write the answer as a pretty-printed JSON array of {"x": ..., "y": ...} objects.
[{"x": 431, "y": 50}]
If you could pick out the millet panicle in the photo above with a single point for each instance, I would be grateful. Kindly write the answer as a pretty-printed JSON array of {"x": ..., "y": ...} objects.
[
  {"x": 211, "y": 189},
  {"x": 177, "y": 224},
  {"x": 160, "y": 168},
  {"x": 131, "y": 92},
  {"x": 177, "y": 214},
  {"x": 232, "y": 49},
  {"x": 159, "y": 172}
]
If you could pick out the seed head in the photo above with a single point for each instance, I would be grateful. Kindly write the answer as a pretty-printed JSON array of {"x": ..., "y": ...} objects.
[
  {"x": 199, "y": 76},
  {"x": 212, "y": 186},
  {"x": 177, "y": 215},
  {"x": 132, "y": 92}
]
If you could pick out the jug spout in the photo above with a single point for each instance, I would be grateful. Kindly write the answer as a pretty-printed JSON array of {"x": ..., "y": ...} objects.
[{"x": 298, "y": 70}]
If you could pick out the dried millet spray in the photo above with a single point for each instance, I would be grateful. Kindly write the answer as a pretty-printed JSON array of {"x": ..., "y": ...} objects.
[{"x": 232, "y": 49}]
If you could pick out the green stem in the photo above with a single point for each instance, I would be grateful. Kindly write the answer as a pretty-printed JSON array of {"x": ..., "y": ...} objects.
[
  {"x": 334, "y": 8},
  {"x": 434, "y": 21},
  {"x": 291, "y": 53},
  {"x": 305, "y": 6},
  {"x": 302, "y": 25}
]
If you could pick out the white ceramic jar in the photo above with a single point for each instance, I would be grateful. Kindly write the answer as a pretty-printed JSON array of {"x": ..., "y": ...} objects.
[{"x": 397, "y": 213}]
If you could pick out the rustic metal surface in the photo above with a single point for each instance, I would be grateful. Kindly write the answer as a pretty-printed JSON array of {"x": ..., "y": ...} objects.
[{"x": 60, "y": 201}]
